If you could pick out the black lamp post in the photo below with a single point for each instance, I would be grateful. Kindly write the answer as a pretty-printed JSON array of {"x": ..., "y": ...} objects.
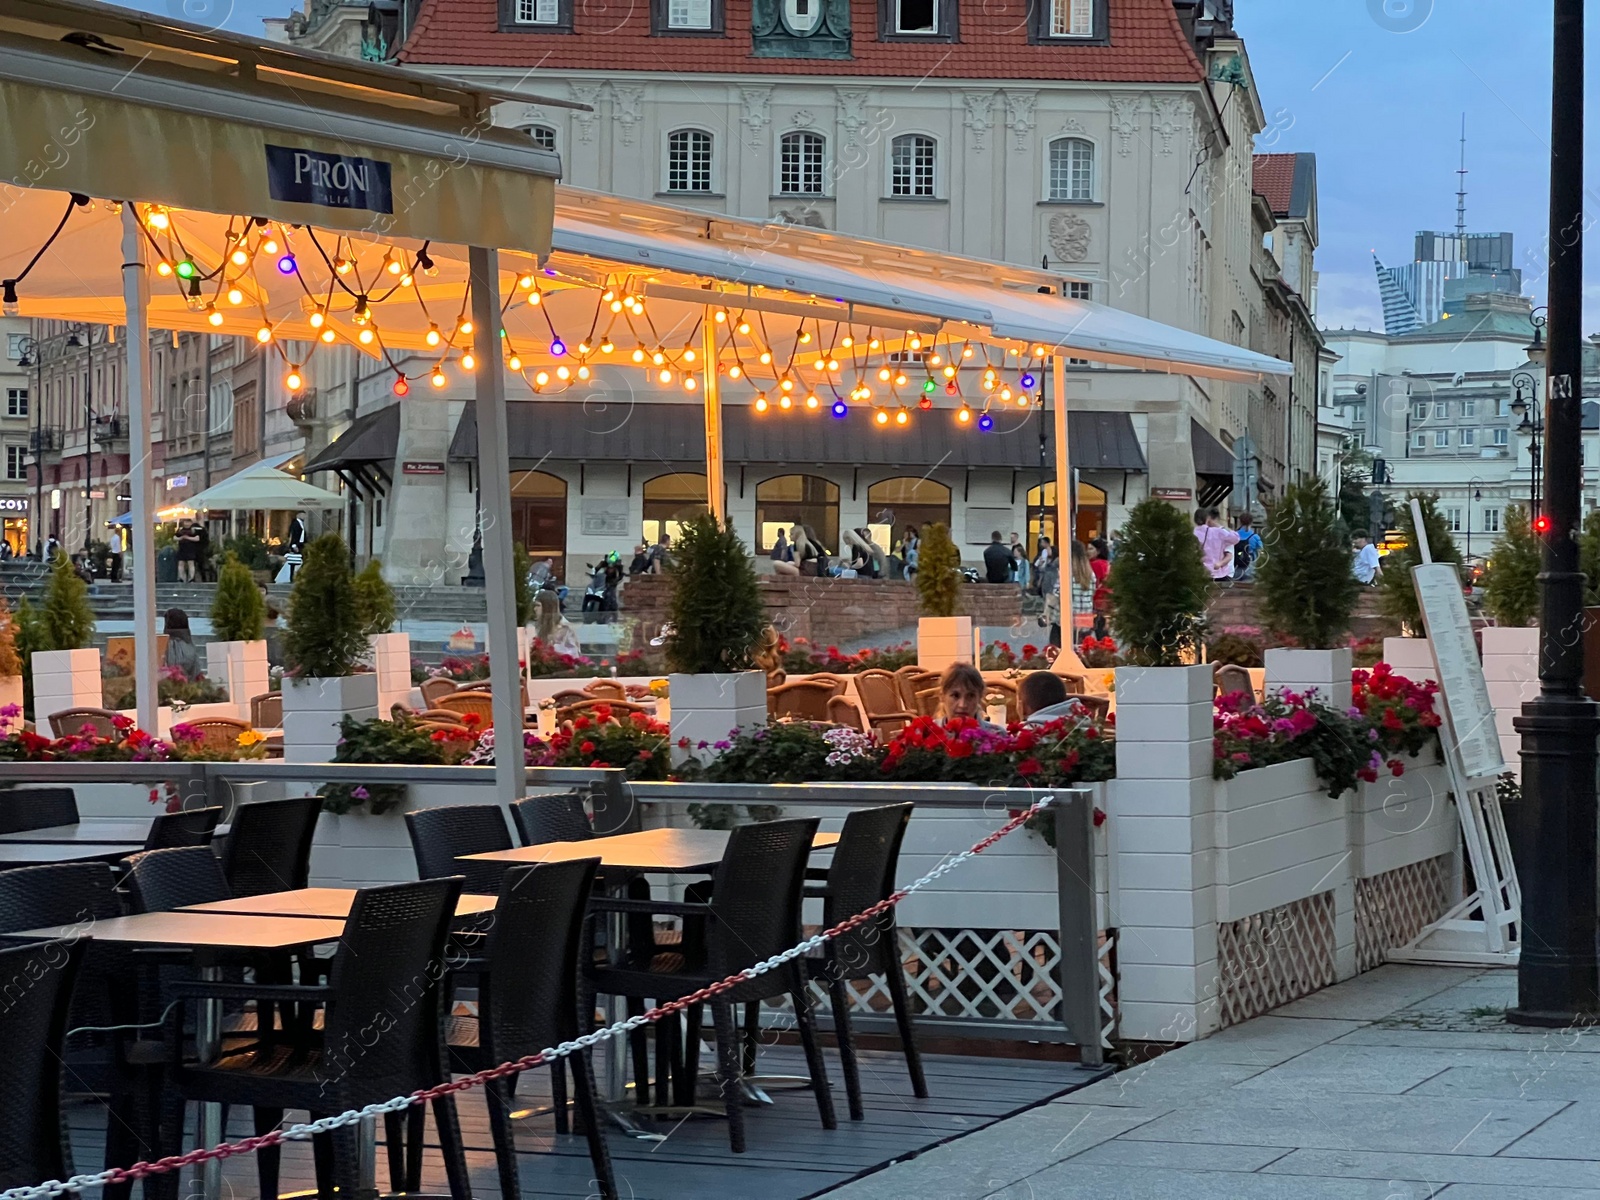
[
  {"x": 1530, "y": 426},
  {"x": 1558, "y": 974},
  {"x": 33, "y": 356}
]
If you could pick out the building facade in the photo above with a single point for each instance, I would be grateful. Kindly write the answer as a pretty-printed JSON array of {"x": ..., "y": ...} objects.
[{"x": 16, "y": 427}]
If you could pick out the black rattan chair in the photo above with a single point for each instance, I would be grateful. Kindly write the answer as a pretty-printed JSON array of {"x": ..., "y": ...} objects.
[
  {"x": 754, "y": 914},
  {"x": 37, "y": 808},
  {"x": 440, "y": 836},
  {"x": 33, "y": 1025},
  {"x": 553, "y": 817},
  {"x": 162, "y": 880},
  {"x": 392, "y": 941},
  {"x": 861, "y": 874},
  {"x": 528, "y": 999},
  {"x": 192, "y": 827},
  {"x": 268, "y": 847}
]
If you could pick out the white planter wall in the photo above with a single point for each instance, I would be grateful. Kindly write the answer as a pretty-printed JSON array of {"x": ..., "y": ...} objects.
[
  {"x": 391, "y": 667},
  {"x": 64, "y": 679},
  {"x": 314, "y": 708},
  {"x": 1325, "y": 672},
  {"x": 1511, "y": 669},
  {"x": 359, "y": 849},
  {"x": 1411, "y": 657},
  {"x": 706, "y": 708},
  {"x": 242, "y": 668},
  {"x": 945, "y": 640}
]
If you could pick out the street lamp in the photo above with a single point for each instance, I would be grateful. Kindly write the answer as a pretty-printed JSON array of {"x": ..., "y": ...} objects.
[
  {"x": 1558, "y": 972},
  {"x": 33, "y": 356},
  {"x": 1531, "y": 425},
  {"x": 1477, "y": 495}
]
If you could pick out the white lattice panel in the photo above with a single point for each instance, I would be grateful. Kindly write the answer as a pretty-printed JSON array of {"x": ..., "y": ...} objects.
[
  {"x": 1392, "y": 908},
  {"x": 1275, "y": 956}
]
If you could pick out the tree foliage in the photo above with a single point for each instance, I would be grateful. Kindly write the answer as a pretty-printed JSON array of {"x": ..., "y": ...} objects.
[
  {"x": 323, "y": 637},
  {"x": 10, "y": 660},
  {"x": 1355, "y": 480},
  {"x": 1159, "y": 587},
  {"x": 1589, "y": 558},
  {"x": 1397, "y": 597},
  {"x": 375, "y": 605},
  {"x": 239, "y": 612},
  {"x": 68, "y": 616},
  {"x": 938, "y": 572},
  {"x": 716, "y": 613},
  {"x": 1511, "y": 591},
  {"x": 521, "y": 571},
  {"x": 1304, "y": 579}
]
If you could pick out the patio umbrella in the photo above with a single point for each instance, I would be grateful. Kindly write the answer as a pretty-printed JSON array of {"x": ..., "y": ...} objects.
[{"x": 262, "y": 487}]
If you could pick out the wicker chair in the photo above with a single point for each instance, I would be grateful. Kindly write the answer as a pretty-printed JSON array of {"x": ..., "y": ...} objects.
[
  {"x": 189, "y": 827},
  {"x": 861, "y": 874},
  {"x": 440, "y": 836},
  {"x": 911, "y": 680},
  {"x": 434, "y": 690},
  {"x": 391, "y": 941},
  {"x": 928, "y": 701},
  {"x": 71, "y": 721},
  {"x": 473, "y": 704},
  {"x": 754, "y": 914},
  {"x": 606, "y": 689},
  {"x": 266, "y": 710},
  {"x": 843, "y": 712},
  {"x": 571, "y": 712},
  {"x": 837, "y": 682},
  {"x": 570, "y": 696},
  {"x": 37, "y": 808},
  {"x": 219, "y": 733},
  {"x": 880, "y": 698},
  {"x": 804, "y": 699},
  {"x": 1004, "y": 687},
  {"x": 268, "y": 847},
  {"x": 528, "y": 999},
  {"x": 444, "y": 716},
  {"x": 1097, "y": 708},
  {"x": 1230, "y": 679},
  {"x": 33, "y": 1138}
]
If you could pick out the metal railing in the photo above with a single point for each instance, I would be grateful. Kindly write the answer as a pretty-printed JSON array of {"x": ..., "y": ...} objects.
[{"x": 1033, "y": 984}]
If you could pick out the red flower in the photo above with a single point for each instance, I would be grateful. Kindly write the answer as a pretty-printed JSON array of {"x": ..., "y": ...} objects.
[
  {"x": 1099, "y": 818},
  {"x": 1029, "y": 766},
  {"x": 581, "y": 723},
  {"x": 959, "y": 749},
  {"x": 586, "y": 748}
]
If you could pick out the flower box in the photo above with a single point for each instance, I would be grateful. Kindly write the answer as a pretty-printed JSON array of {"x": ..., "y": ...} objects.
[
  {"x": 1323, "y": 672},
  {"x": 64, "y": 679},
  {"x": 241, "y": 667},
  {"x": 944, "y": 640},
  {"x": 313, "y": 709},
  {"x": 707, "y": 708}
]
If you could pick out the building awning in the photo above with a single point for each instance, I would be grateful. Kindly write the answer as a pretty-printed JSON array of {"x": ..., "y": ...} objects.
[
  {"x": 1211, "y": 457},
  {"x": 363, "y": 455},
  {"x": 671, "y": 433}
]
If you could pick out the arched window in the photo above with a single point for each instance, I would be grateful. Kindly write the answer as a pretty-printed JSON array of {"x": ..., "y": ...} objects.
[
  {"x": 912, "y": 160},
  {"x": 800, "y": 164},
  {"x": 1071, "y": 169},
  {"x": 893, "y": 504},
  {"x": 542, "y": 136},
  {"x": 797, "y": 500},
  {"x": 1089, "y": 514},
  {"x": 688, "y": 160},
  {"x": 539, "y": 518},
  {"x": 670, "y": 500}
]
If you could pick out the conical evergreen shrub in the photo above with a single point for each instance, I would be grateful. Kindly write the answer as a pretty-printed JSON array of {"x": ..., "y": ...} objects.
[
  {"x": 1307, "y": 588},
  {"x": 938, "y": 572},
  {"x": 238, "y": 613},
  {"x": 1511, "y": 592},
  {"x": 323, "y": 637},
  {"x": 375, "y": 606},
  {"x": 1397, "y": 595},
  {"x": 1159, "y": 587},
  {"x": 68, "y": 617},
  {"x": 716, "y": 611}
]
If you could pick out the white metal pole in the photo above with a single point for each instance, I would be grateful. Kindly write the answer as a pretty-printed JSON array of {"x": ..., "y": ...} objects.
[
  {"x": 1064, "y": 496},
  {"x": 142, "y": 553},
  {"x": 494, "y": 484},
  {"x": 716, "y": 492}
]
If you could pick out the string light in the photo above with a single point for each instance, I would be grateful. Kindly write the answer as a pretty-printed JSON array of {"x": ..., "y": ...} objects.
[
  {"x": 187, "y": 269},
  {"x": 607, "y": 346},
  {"x": 881, "y": 417},
  {"x": 812, "y": 402},
  {"x": 438, "y": 378},
  {"x": 766, "y": 357},
  {"x": 563, "y": 373},
  {"x": 902, "y": 417},
  {"x": 239, "y": 258},
  {"x": 761, "y": 402},
  {"x": 966, "y": 351},
  {"x": 264, "y": 335},
  {"x": 286, "y": 265},
  {"x": 401, "y": 387},
  {"x": 583, "y": 371},
  {"x": 212, "y": 315},
  {"x": 784, "y": 401},
  {"x": 328, "y": 336},
  {"x": 925, "y": 402},
  {"x": 433, "y": 337},
  {"x": 689, "y": 383},
  {"x": 786, "y": 384},
  {"x": 721, "y": 317},
  {"x": 270, "y": 246},
  {"x": 163, "y": 268},
  {"x": 916, "y": 342},
  {"x": 665, "y": 375},
  {"x": 638, "y": 356},
  {"x": 1027, "y": 379},
  {"x": 536, "y": 297},
  {"x": 658, "y": 358},
  {"x": 525, "y": 282},
  {"x": 884, "y": 374},
  {"x": 950, "y": 389},
  {"x": 985, "y": 422},
  {"x": 805, "y": 337},
  {"x": 840, "y": 408},
  {"x": 542, "y": 378},
  {"x": 873, "y": 344},
  {"x": 900, "y": 380},
  {"x": 465, "y": 327},
  {"x": 558, "y": 347},
  {"x": 688, "y": 354},
  {"x": 157, "y": 218},
  {"x": 514, "y": 363},
  {"x": 468, "y": 363},
  {"x": 292, "y": 380},
  {"x": 343, "y": 266},
  {"x": 735, "y": 371},
  {"x": 317, "y": 318},
  {"x": 235, "y": 296},
  {"x": 964, "y": 415},
  {"x": 365, "y": 337},
  {"x": 744, "y": 327},
  {"x": 949, "y": 372}
]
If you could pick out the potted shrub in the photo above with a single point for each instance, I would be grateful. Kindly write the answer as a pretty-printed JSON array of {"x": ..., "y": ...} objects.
[
  {"x": 237, "y": 654},
  {"x": 389, "y": 652},
  {"x": 10, "y": 660},
  {"x": 1308, "y": 592},
  {"x": 1159, "y": 590},
  {"x": 942, "y": 637},
  {"x": 717, "y": 621},
  {"x": 1410, "y": 654},
  {"x": 64, "y": 670},
  {"x": 1511, "y": 647},
  {"x": 323, "y": 644}
]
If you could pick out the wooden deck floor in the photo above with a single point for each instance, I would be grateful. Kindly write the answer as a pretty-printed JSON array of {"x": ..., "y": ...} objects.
[{"x": 789, "y": 1155}]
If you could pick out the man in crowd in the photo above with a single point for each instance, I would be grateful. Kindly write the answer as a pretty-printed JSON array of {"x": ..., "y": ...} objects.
[
  {"x": 996, "y": 560},
  {"x": 1366, "y": 565},
  {"x": 1042, "y": 697},
  {"x": 1216, "y": 543}
]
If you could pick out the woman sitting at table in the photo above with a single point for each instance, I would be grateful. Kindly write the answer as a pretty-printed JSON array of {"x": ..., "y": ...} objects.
[
  {"x": 181, "y": 652},
  {"x": 961, "y": 691}
]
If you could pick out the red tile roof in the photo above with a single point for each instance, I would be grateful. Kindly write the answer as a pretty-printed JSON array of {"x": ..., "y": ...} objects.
[
  {"x": 1147, "y": 45},
  {"x": 1274, "y": 179}
]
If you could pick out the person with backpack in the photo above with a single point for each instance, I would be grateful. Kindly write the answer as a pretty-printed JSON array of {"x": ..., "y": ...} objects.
[{"x": 1247, "y": 550}]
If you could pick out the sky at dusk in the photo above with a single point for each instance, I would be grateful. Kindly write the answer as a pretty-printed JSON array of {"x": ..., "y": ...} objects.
[{"x": 1376, "y": 89}]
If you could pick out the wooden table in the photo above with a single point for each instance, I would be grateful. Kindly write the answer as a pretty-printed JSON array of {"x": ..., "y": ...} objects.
[
  {"x": 690, "y": 851},
  {"x": 202, "y": 931},
  {"x": 40, "y": 854},
  {"x": 319, "y": 902},
  {"x": 94, "y": 832}
]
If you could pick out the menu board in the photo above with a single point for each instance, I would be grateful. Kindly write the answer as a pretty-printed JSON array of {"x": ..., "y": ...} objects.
[{"x": 1470, "y": 716}]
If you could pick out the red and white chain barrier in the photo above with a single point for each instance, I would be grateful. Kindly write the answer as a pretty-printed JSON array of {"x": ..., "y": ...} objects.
[{"x": 277, "y": 1137}]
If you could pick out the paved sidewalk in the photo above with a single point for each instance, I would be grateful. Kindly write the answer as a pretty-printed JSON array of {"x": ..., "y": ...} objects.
[{"x": 1401, "y": 1084}]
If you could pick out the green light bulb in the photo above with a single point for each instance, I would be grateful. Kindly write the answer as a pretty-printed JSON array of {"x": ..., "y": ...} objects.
[
  {"x": 928, "y": 387},
  {"x": 186, "y": 269}
]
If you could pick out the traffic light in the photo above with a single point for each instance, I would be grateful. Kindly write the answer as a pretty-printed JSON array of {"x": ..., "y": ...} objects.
[{"x": 1541, "y": 524}]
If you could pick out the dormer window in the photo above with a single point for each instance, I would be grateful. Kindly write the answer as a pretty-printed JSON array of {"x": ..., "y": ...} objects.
[
  {"x": 917, "y": 20},
  {"x": 1071, "y": 21}
]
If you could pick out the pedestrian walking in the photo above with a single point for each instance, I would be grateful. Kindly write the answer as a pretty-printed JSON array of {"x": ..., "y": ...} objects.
[
  {"x": 119, "y": 547},
  {"x": 1366, "y": 566},
  {"x": 1248, "y": 550}
]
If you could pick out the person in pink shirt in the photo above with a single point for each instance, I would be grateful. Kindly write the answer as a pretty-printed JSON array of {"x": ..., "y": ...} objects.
[{"x": 1216, "y": 543}]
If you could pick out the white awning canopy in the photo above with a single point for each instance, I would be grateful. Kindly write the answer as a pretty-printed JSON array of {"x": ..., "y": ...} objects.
[{"x": 258, "y": 487}]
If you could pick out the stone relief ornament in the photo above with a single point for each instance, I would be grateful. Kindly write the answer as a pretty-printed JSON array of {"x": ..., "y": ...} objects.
[
  {"x": 1019, "y": 114},
  {"x": 1069, "y": 237},
  {"x": 1172, "y": 114},
  {"x": 802, "y": 118},
  {"x": 1124, "y": 121},
  {"x": 756, "y": 105},
  {"x": 589, "y": 94},
  {"x": 979, "y": 106},
  {"x": 628, "y": 110}
]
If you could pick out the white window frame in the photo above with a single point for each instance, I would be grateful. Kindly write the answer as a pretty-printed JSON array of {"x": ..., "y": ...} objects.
[
  {"x": 1491, "y": 520},
  {"x": 1502, "y": 437},
  {"x": 1441, "y": 439},
  {"x": 14, "y": 344},
  {"x": 17, "y": 454},
  {"x": 935, "y": 177},
  {"x": 689, "y": 131},
  {"x": 536, "y": 12},
  {"x": 897, "y": 27},
  {"x": 1469, "y": 408},
  {"x": 1071, "y": 190},
  {"x": 1071, "y": 19},
  {"x": 1452, "y": 518},
  {"x": 1419, "y": 410},
  {"x": 802, "y": 137},
  {"x": 1441, "y": 410},
  {"x": 1469, "y": 437},
  {"x": 550, "y": 133},
  {"x": 17, "y": 402},
  {"x": 1419, "y": 441},
  {"x": 684, "y": 8}
]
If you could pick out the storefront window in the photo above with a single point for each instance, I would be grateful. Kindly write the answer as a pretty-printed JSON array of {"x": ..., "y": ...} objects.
[
  {"x": 892, "y": 504},
  {"x": 670, "y": 500},
  {"x": 539, "y": 518},
  {"x": 797, "y": 500},
  {"x": 1089, "y": 516}
]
